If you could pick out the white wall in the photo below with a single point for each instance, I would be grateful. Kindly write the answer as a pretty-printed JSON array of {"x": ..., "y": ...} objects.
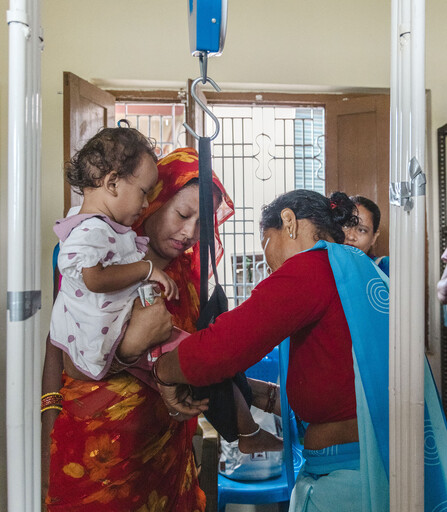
[{"x": 292, "y": 43}]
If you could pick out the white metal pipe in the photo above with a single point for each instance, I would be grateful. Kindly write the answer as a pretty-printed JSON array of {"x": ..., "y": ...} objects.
[
  {"x": 34, "y": 236},
  {"x": 394, "y": 242},
  {"x": 29, "y": 267},
  {"x": 37, "y": 342},
  {"x": 23, "y": 343},
  {"x": 407, "y": 251},
  {"x": 404, "y": 286},
  {"x": 417, "y": 312},
  {"x": 16, "y": 249}
]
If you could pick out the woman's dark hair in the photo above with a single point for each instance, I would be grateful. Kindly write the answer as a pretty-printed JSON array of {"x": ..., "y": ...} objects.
[
  {"x": 111, "y": 149},
  {"x": 370, "y": 206},
  {"x": 216, "y": 190},
  {"x": 329, "y": 215}
]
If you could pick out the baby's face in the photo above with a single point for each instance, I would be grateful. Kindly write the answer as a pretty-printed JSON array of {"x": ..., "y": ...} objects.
[{"x": 131, "y": 192}]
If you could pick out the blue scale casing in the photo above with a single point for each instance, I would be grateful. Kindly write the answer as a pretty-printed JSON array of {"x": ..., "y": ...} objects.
[{"x": 207, "y": 21}]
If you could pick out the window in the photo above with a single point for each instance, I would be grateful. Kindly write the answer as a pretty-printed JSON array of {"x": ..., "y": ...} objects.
[
  {"x": 162, "y": 122},
  {"x": 269, "y": 143},
  {"x": 261, "y": 152}
]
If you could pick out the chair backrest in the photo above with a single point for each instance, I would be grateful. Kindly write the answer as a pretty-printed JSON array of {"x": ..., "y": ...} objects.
[
  {"x": 267, "y": 369},
  {"x": 292, "y": 447},
  {"x": 273, "y": 490}
]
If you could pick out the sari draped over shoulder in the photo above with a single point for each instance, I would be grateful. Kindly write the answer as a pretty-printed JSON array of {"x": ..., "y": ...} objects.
[
  {"x": 368, "y": 320},
  {"x": 114, "y": 446}
]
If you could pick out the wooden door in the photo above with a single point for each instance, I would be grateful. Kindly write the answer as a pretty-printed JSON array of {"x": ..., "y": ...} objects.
[
  {"x": 87, "y": 109},
  {"x": 357, "y": 152}
]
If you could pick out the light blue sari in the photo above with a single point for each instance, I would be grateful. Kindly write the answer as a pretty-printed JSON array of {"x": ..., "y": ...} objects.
[{"x": 367, "y": 489}]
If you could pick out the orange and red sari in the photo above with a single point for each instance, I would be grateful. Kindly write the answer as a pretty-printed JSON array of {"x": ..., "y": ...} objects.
[
  {"x": 114, "y": 446},
  {"x": 116, "y": 449}
]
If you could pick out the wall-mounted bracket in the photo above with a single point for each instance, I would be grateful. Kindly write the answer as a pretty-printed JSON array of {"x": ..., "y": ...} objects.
[
  {"x": 402, "y": 193},
  {"x": 23, "y": 305}
]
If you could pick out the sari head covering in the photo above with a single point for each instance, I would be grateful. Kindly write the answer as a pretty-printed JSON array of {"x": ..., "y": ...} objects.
[{"x": 174, "y": 172}]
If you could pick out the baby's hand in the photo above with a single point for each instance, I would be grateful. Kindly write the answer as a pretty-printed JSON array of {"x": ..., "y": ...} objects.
[{"x": 171, "y": 290}]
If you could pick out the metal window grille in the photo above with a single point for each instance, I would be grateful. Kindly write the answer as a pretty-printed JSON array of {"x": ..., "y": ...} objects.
[
  {"x": 309, "y": 149},
  {"x": 260, "y": 153},
  {"x": 161, "y": 121}
]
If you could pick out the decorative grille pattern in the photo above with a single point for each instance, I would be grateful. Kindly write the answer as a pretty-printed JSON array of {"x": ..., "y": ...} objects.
[
  {"x": 161, "y": 121},
  {"x": 260, "y": 153}
]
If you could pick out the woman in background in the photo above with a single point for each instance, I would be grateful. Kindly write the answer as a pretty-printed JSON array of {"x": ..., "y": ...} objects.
[{"x": 364, "y": 235}]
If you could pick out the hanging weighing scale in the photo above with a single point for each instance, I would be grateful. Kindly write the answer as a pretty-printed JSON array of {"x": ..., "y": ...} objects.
[
  {"x": 207, "y": 20},
  {"x": 207, "y": 28}
]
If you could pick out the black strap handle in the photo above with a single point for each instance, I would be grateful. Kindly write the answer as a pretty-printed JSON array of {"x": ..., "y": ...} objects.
[{"x": 206, "y": 212}]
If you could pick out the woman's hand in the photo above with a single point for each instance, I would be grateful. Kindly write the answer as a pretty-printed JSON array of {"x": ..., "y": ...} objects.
[
  {"x": 169, "y": 285},
  {"x": 148, "y": 326},
  {"x": 178, "y": 399}
]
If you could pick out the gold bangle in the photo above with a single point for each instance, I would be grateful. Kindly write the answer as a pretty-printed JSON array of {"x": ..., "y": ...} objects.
[
  {"x": 53, "y": 399},
  {"x": 54, "y": 393},
  {"x": 57, "y": 407}
]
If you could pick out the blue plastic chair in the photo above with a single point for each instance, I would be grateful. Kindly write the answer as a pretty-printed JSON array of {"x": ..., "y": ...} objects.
[
  {"x": 273, "y": 490},
  {"x": 293, "y": 459}
]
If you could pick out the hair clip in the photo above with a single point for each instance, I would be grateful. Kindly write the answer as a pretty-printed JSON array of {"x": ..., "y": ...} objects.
[
  {"x": 333, "y": 205},
  {"x": 123, "y": 121}
]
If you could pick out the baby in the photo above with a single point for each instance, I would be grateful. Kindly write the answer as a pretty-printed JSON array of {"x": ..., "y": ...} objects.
[{"x": 101, "y": 260}]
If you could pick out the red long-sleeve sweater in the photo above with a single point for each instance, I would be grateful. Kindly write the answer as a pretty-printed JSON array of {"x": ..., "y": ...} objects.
[{"x": 299, "y": 300}]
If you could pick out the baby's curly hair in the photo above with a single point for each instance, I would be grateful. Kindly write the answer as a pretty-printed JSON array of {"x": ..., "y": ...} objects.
[{"x": 111, "y": 149}]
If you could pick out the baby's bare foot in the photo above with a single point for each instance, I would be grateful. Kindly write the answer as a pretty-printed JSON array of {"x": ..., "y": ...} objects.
[{"x": 263, "y": 441}]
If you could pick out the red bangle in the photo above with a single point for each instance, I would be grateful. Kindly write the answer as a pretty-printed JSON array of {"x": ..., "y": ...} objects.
[{"x": 157, "y": 378}]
